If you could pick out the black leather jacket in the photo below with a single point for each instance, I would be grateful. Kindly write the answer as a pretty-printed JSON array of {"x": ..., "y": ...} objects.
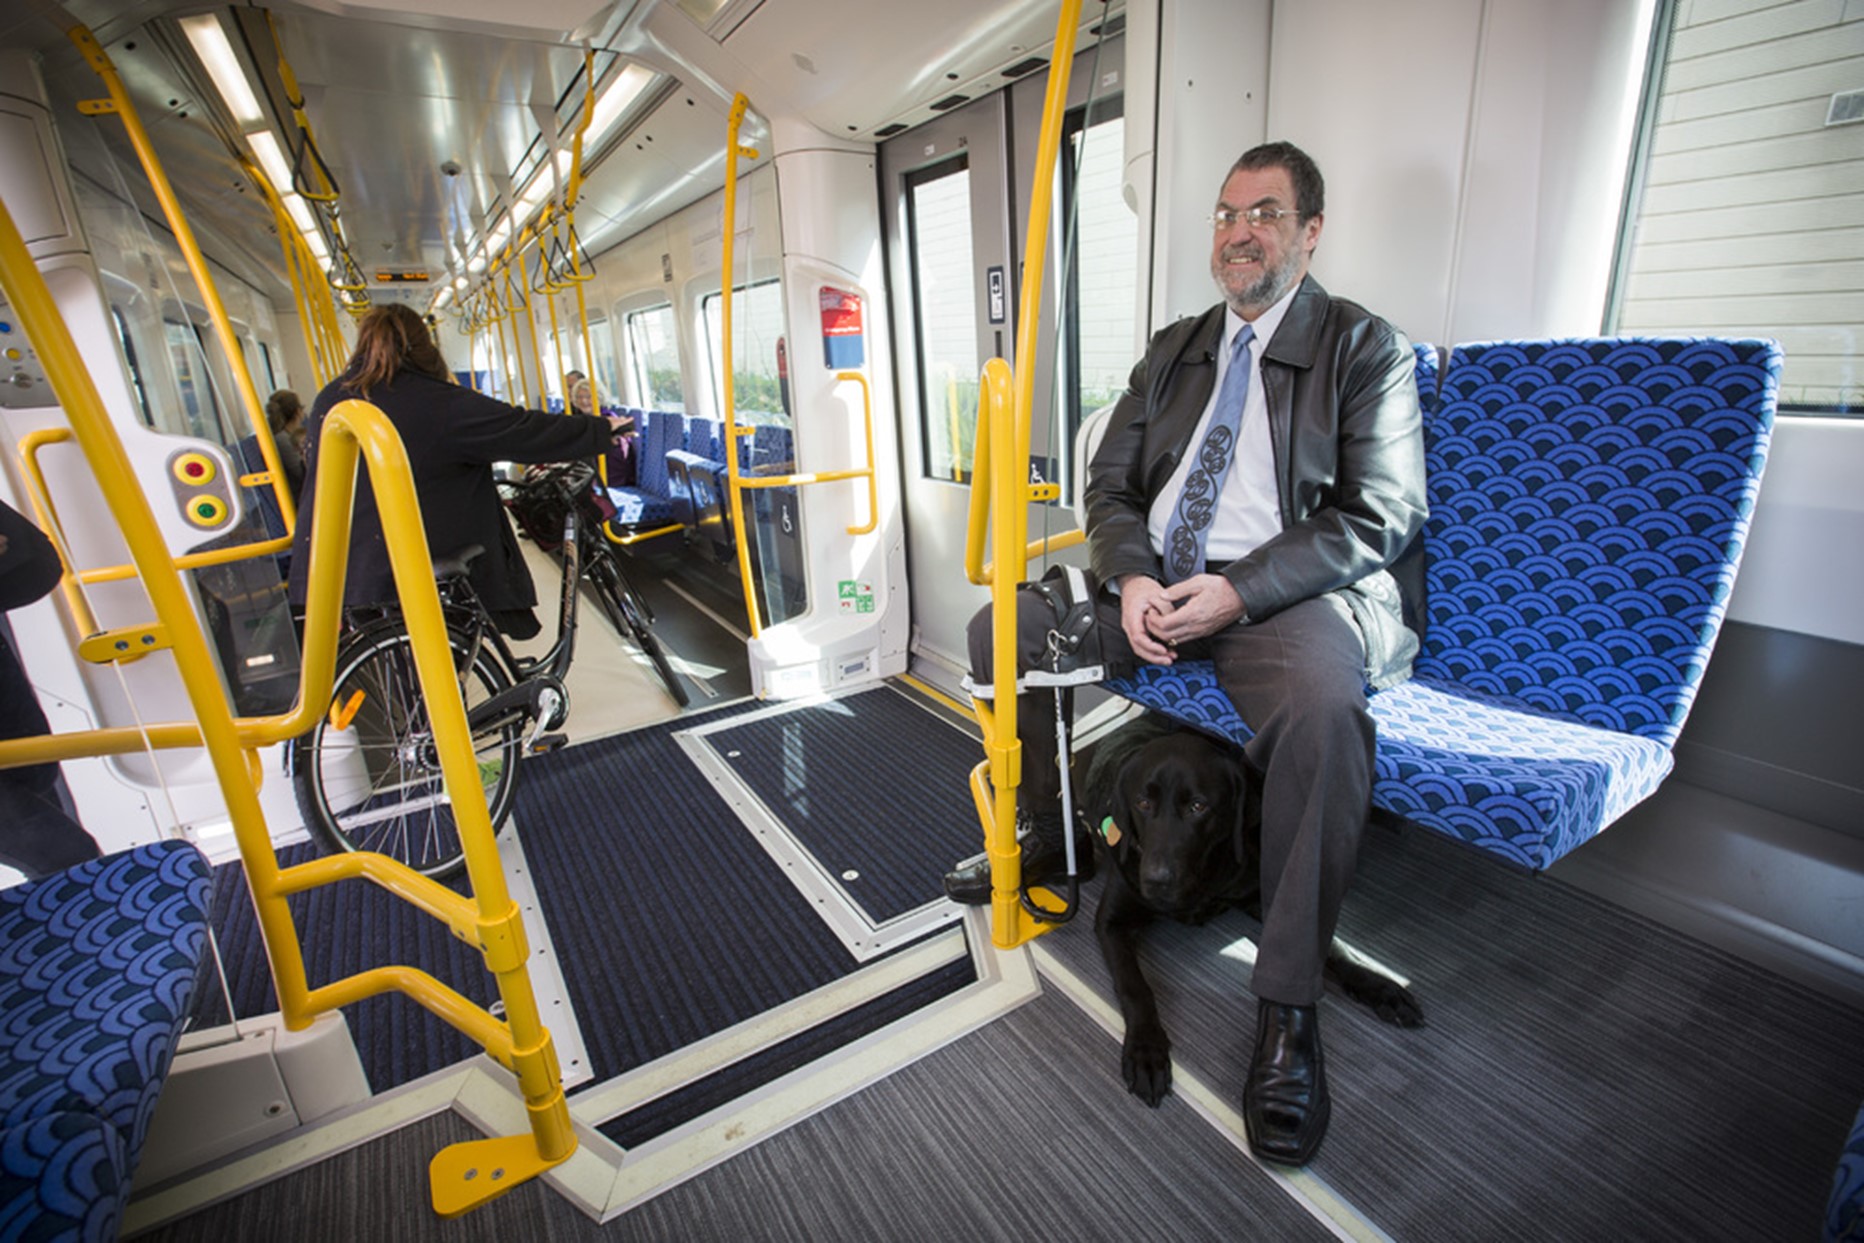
[{"x": 1349, "y": 464}]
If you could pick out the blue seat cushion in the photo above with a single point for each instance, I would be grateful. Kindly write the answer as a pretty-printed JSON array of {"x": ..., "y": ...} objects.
[
  {"x": 62, "y": 1176},
  {"x": 97, "y": 973},
  {"x": 1844, "y": 1211},
  {"x": 635, "y": 508},
  {"x": 1498, "y": 774},
  {"x": 1589, "y": 501}
]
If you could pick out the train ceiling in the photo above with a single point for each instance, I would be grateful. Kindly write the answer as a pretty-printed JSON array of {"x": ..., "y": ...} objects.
[{"x": 432, "y": 115}]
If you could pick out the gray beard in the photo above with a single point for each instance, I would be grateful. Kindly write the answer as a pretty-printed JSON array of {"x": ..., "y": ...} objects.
[{"x": 1266, "y": 289}]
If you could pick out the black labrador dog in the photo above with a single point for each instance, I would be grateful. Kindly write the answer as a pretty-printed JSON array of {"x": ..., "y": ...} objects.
[{"x": 1178, "y": 834}]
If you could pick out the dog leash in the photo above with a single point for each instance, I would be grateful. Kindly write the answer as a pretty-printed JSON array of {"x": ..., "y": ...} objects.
[{"x": 1060, "y": 645}]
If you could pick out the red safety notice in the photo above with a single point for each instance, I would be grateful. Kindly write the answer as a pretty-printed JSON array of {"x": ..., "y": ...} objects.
[{"x": 842, "y": 342}]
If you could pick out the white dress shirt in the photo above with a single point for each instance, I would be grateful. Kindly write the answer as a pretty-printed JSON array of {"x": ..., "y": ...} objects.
[{"x": 1249, "y": 508}]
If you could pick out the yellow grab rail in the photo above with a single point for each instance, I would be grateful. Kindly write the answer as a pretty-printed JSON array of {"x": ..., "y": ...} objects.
[
  {"x": 983, "y": 484},
  {"x": 1006, "y": 460},
  {"x": 740, "y": 484},
  {"x": 461, "y": 1175},
  {"x": 119, "y": 103},
  {"x": 733, "y": 149}
]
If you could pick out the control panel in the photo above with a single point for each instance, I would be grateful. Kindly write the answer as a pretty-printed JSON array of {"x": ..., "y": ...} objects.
[{"x": 23, "y": 385}]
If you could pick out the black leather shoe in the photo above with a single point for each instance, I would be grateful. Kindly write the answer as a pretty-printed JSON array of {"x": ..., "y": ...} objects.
[
  {"x": 1285, "y": 1105},
  {"x": 1044, "y": 861}
]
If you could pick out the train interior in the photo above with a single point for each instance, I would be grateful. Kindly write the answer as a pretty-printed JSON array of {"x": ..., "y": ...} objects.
[{"x": 785, "y": 237}]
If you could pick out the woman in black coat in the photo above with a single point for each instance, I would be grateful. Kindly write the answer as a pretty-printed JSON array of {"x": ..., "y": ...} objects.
[{"x": 452, "y": 436}]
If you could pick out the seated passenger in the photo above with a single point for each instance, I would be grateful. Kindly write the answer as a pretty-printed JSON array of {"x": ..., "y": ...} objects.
[
  {"x": 1258, "y": 478},
  {"x": 621, "y": 461},
  {"x": 452, "y": 436},
  {"x": 284, "y": 414}
]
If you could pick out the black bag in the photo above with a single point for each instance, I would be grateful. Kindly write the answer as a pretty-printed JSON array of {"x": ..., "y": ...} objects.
[{"x": 29, "y": 564}]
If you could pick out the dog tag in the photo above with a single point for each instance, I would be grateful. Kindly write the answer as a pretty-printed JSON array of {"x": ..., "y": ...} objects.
[{"x": 1110, "y": 831}]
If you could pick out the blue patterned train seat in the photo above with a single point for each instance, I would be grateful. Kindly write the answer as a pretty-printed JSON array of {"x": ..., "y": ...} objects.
[
  {"x": 688, "y": 466},
  {"x": 647, "y": 503},
  {"x": 1589, "y": 501},
  {"x": 97, "y": 973},
  {"x": 1844, "y": 1209}
]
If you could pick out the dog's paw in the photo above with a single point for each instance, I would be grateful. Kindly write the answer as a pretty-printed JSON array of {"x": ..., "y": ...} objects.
[
  {"x": 1145, "y": 1062},
  {"x": 1375, "y": 990},
  {"x": 1392, "y": 1002}
]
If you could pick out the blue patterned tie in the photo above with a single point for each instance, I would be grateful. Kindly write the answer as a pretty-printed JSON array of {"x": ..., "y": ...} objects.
[{"x": 1189, "y": 526}]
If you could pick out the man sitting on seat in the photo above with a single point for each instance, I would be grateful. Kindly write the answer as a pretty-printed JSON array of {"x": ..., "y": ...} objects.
[{"x": 1255, "y": 483}]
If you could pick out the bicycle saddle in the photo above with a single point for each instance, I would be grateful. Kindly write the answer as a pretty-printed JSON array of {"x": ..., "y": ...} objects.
[{"x": 458, "y": 563}]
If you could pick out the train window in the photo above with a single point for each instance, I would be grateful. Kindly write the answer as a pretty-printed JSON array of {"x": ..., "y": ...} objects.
[
  {"x": 938, "y": 231},
  {"x": 260, "y": 380},
  {"x": 653, "y": 342},
  {"x": 607, "y": 366},
  {"x": 271, "y": 375},
  {"x": 488, "y": 365},
  {"x": 1746, "y": 195},
  {"x": 199, "y": 412},
  {"x": 135, "y": 368},
  {"x": 757, "y": 326},
  {"x": 1103, "y": 264}
]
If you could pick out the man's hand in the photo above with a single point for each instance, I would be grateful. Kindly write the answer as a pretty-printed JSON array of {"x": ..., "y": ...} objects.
[
  {"x": 1142, "y": 600},
  {"x": 1157, "y": 618},
  {"x": 1195, "y": 608}
]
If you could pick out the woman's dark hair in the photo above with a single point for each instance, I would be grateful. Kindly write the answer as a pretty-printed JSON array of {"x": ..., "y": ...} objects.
[
  {"x": 392, "y": 339},
  {"x": 281, "y": 408}
]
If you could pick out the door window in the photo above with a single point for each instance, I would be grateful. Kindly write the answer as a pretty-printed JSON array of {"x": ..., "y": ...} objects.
[
  {"x": 653, "y": 343},
  {"x": 938, "y": 234}
]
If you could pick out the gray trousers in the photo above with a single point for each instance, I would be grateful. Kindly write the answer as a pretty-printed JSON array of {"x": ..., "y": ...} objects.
[{"x": 1298, "y": 679}]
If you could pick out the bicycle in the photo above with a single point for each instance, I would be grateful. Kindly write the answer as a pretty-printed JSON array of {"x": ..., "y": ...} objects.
[
  {"x": 367, "y": 775},
  {"x": 536, "y": 503}
]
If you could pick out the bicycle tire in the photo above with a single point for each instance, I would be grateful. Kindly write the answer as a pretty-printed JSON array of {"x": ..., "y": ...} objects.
[
  {"x": 370, "y": 785},
  {"x": 630, "y": 616}
]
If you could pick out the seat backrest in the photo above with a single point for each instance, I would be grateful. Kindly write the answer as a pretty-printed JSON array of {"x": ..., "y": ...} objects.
[
  {"x": 703, "y": 438},
  {"x": 1086, "y": 441},
  {"x": 664, "y": 431},
  {"x": 771, "y": 451},
  {"x": 1589, "y": 500},
  {"x": 1429, "y": 375}
]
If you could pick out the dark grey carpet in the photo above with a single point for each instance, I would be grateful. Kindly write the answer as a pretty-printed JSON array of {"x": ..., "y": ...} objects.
[
  {"x": 669, "y": 920},
  {"x": 872, "y": 785},
  {"x": 1003, "y": 1135},
  {"x": 1585, "y": 1073}
]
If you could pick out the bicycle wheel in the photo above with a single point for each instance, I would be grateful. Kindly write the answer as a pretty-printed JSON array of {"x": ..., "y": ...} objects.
[
  {"x": 366, "y": 775},
  {"x": 632, "y": 619}
]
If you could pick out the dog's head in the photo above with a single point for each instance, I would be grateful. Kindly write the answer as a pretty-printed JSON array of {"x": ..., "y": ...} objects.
[{"x": 1178, "y": 817}]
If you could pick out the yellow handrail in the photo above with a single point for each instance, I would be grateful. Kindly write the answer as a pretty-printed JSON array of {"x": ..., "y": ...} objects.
[
  {"x": 490, "y": 920},
  {"x": 316, "y": 312},
  {"x": 120, "y": 104},
  {"x": 1006, "y": 460},
  {"x": 733, "y": 149},
  {"x": 830, "y": 476},
  {"x": 983, "y": 486}
]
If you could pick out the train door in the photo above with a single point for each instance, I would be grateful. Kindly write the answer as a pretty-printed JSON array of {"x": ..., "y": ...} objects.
[
  {"x": 955, "y": 189},
  {"x": 949, "y": 256}
]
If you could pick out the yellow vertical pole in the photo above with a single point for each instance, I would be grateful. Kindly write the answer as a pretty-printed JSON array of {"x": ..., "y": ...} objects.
[
  {"x": 119, "y": 103},
  {"x": 517, "y": 350},
  {"x": 1011, "y": 497},
  {"x": 556, "y": 337},
  {"x": 582, "y": 317},
  {"x": 733, "y": 150},
  {"x": 537, "y": 352}
]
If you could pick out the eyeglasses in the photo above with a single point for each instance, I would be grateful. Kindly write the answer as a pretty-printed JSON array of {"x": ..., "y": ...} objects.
[{"x": 1224, "y": 219}]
